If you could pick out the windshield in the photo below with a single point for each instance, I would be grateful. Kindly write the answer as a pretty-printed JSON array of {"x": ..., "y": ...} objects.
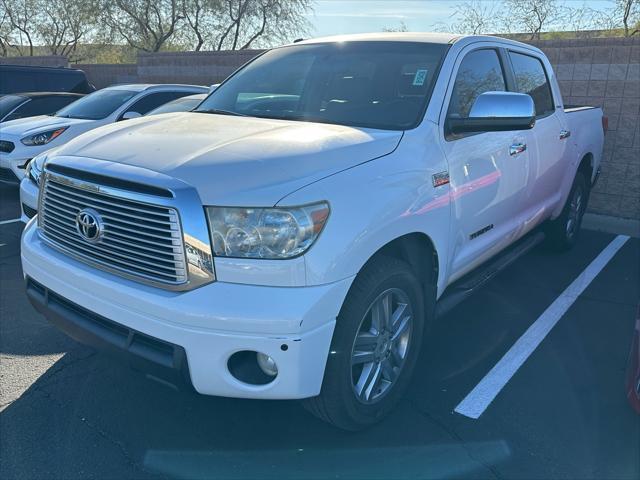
[
  {"x": 97, "y": 105},
  {"x": 179, "y": 105},
  {"x": 383, "y": 85},
  {"x": 9, "y": 102}
]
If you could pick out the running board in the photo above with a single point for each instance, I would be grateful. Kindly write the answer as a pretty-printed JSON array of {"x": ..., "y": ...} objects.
[{"x": 473, "y": 281}]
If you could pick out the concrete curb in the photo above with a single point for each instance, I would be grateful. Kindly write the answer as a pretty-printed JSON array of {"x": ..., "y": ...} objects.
[{"x": 616, "y": 225}]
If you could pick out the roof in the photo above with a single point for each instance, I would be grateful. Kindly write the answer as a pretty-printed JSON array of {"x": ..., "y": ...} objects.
[
  {"x": 39, "y": 67},
  {"x": 139, "y": 87},
  {"x": 425, "y": 37},
  {"x": 47, "y": 94}
]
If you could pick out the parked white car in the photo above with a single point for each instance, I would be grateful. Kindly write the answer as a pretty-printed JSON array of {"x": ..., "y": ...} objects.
[
  {"x": 23, "y": 139},
  {"x": 311, "y": 218},
  {"x": 29, "y": 184}
]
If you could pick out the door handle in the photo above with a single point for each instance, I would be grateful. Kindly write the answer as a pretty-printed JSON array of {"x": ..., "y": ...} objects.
[
  {"x": 564, "y": 134},
  {"x": 517, "y": 148}
]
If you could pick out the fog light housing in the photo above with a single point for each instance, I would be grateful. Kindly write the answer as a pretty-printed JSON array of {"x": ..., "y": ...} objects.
[
  {"x": 267, "y": 364},
  {"x": 253, "y": 368}
]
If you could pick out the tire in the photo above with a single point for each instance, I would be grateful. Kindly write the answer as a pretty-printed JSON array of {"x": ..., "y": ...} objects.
[
  {"x": 347, "y": 400},
  {"x": 563, "y": 232}
]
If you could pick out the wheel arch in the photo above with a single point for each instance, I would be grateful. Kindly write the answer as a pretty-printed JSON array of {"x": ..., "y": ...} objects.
[
  {"x": 587, "y": 165},
  {"x": 419, "y": 251}
]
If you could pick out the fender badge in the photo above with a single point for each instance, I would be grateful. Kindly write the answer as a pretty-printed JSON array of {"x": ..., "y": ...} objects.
[{"x": 440, "y": 179}]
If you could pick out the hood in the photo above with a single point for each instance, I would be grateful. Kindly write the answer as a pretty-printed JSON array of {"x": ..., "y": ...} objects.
[
  {"x": 29, "y": 125},
  {"x": 234, "y": 161}
]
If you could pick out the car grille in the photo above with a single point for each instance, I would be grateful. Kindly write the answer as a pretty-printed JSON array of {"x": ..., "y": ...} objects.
[
  {"x": 28, "y": 211},
  {"x": 138, "y": 240},
  {"x": 6, "y": 146}
]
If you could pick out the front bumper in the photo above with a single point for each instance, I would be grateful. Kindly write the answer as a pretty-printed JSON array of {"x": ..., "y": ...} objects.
[
  {"x": 210, "y": 323},
  {"x": 160, "y": 360},
  {"x": 12, "y": 165}
]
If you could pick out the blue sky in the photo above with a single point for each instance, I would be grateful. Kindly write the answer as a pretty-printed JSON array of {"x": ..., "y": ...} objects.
[{"x": 353, "y": 16}]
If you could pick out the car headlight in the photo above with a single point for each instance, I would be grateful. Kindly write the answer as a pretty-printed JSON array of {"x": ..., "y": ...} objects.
[
  {"x": 267, "y": 233},
  {"x": 35, "y": 167},
  {"x": 42, "y": 138}
]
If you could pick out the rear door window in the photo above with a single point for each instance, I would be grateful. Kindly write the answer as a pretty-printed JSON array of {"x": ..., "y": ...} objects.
[
  {"x": 154, "y": 100},
  {"x": 531, "y": 79},
  {"x": 479, "y": 72}
]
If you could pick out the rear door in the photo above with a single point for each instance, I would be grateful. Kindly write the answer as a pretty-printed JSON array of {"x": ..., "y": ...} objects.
[
  {"x": 487, "y": 170},
  {"x": 547, "y": 140}
]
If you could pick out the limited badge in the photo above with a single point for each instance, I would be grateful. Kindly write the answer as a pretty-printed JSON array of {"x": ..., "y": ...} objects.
[{"x": 440, "y": 179}]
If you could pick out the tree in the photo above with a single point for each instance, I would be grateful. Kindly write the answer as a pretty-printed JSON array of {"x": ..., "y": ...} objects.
[
  {"x": 65, "y": 23},
  {"x": 533, "y": 15},
  {"x": 628, "y": 13},
  {"x": 5, "y": 33},
  {"x": 584, "y": 18},
  {"x": 146, "y": 25},
  {"x": 23, "y": 17},
  {"x": 240, "y": 24},
  {"x": 476, "y": 17},
  {"x": 400, "y": 28},
  {"x": 201, "y": 16}
]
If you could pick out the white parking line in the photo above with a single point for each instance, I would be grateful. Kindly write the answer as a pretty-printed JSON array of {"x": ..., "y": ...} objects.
[
  {"x": 4, "y": 222},
  {"x": 477, "y": 401}
]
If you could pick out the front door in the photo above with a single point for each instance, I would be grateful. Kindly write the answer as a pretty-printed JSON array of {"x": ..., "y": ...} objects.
[{"x": 487, "y": 170}]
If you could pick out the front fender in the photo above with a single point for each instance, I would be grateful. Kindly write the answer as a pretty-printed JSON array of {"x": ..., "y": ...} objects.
[{"x": 373, "y": 204}]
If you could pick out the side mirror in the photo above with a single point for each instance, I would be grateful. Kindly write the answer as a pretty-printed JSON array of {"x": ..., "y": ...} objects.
[
  {"x": 130, "y": 114},
  {"x": 213, "y": 87},
  {"x": 497, "y": 112}
]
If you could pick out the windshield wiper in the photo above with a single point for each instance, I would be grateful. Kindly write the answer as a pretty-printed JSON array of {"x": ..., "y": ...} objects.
[{"x": 221, "y": 112}]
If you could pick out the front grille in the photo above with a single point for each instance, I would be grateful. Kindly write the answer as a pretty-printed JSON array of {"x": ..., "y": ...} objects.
[
  {"x": 28, "y": 211},
  {"x": 141, "y": 241},
  {"x": 6, "y": 146},
  {"x": 7, "y": 175}
]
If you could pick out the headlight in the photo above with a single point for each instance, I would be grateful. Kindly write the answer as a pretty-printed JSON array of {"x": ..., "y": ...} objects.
[
  {"x": 268, "y": 233},
  {"x": 42, "y": 138},
  {"x": 35, "y": 167}
]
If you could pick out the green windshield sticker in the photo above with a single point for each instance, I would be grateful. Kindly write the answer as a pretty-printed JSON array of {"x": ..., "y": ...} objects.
[{"x": 420, "y": 78}]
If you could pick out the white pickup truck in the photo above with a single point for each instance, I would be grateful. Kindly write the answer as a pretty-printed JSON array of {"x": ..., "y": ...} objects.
[{"x": 294, "y": 237}]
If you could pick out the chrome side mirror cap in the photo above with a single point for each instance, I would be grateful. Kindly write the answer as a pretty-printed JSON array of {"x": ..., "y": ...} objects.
[{"x": 497, "y": 112}]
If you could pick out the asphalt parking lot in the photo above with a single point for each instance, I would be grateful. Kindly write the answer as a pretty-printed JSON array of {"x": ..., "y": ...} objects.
[{"x": 68, "y": 412}]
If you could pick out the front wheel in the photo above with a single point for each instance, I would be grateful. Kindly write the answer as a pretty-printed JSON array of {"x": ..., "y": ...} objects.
[
  {"x": 375, "y": 346},
  {"x": 562, "y": 233}
]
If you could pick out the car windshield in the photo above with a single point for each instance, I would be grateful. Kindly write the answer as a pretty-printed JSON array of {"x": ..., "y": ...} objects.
[
  {"x": 179, "y": 105},
  {"x": 383, "y": 85},
  {"x": 97, "y": 105},
  {"x": 9, "y": 102}
]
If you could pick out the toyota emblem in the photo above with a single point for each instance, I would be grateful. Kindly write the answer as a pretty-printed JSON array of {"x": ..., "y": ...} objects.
[{"x": 89, "y": 225}]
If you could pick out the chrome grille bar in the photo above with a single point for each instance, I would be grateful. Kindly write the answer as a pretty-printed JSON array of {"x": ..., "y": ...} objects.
[{"x": 138, "y": 240}]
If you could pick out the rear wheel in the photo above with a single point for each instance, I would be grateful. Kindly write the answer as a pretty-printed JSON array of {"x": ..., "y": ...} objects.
[
  {"x": 563, "y": 232},
  {"x": 374, "y": 348}
]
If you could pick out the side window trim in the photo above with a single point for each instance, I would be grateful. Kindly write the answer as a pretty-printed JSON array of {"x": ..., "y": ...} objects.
[
  {"x": 546, "y": 76},
  {"x": 503, "y": 67},
  {"x": 8, "y": 115},
  {"x": 133, "y": 101}
]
